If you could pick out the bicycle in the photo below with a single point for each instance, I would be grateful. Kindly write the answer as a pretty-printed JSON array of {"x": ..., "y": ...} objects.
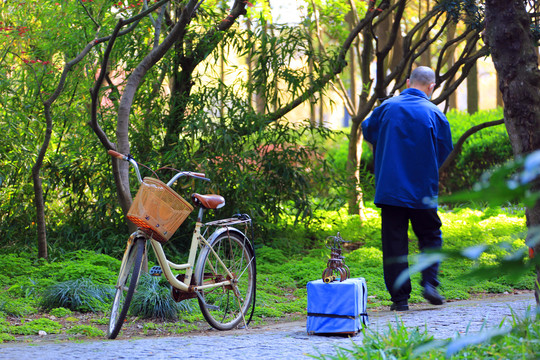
[{"x": 223, "y": 275}]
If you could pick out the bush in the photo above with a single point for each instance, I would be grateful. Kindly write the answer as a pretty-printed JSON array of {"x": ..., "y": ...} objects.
[
  {"x": 60, "y": 312},
  {"x": 78, "y": 295},
  {"x": 482, "y": 151},
  {"x": 153, "y": 300}
]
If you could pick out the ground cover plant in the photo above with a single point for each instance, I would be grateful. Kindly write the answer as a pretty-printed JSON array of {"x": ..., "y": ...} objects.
[
  {"x": 400, "y": 343},
  {"x": 31, "y": 288}
]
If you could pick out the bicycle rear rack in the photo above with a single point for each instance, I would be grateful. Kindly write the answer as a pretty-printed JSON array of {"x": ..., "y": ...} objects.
[{"x": 235, "y": 220}]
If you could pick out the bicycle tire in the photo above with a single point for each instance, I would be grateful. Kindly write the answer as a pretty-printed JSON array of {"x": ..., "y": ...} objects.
[
  {"x": 221, "y": 308},
  {"x": 130, "y": 272}
]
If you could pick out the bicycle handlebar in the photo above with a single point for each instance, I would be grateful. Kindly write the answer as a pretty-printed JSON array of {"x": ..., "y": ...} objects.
[
  {"x": 192, "y": 174},
  {"x": 117, "y": 155}
]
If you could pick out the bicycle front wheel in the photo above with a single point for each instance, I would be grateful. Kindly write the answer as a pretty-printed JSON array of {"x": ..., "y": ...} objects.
[
  {"x": 226, "y": 307},
  {"x": 128, "y": 278}
]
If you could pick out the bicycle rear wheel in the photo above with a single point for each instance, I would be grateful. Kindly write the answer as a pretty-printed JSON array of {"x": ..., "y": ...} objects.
[
  {"x": 128, "y": 278},
  {"x": 226, "y": 307}
]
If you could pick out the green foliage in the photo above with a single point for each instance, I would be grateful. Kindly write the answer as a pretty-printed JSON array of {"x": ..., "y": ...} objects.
[
  {"x": 12, "y": 265},
  {"x": 78, "y": 295},
  {"x": 33, "y": 327},
  {"x": 3, "y": 325},
  {"x": 60, "y": 312},
  {"x": 337, "y": 154},
  {"x": 482, "y": 151},
  {"x": 262, "y": 166},
  {"x": 284, "y": 272},
  {"x": 471, "y": 11},
  {"x": 503, "y": 230},
  {"x": 86, "y": 330},
  {"x": 6, "y": 337},
  {"x": 487, "y": 148},
  {"x": 29, "y": 277},
  {"x": 397, "y": 343},
  {"x": 16, "y": 306},
  {"x": 153, "y": 300},
  {"x": 520, "y": 342},
  {"x": 178, "y": 327},
  {"x": 102, "y": 321},
  {"x": 270, "y": 256}
]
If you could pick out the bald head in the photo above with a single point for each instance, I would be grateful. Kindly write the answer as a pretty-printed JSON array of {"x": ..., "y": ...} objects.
[{"x": 422, "y": 78}]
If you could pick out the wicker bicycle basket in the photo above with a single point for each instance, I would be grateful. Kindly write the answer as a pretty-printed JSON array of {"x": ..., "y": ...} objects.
[{"x": 158, "y": 209}]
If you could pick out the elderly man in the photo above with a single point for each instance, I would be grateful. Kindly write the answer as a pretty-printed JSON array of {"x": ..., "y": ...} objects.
[{"x": 411, "y": 139}]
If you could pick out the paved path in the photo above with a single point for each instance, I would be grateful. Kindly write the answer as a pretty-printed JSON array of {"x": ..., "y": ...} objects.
[{"x": 281, "y": 341}]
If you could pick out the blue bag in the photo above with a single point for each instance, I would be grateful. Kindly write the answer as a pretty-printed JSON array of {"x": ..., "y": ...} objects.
[{"x": 336, "y": 307}]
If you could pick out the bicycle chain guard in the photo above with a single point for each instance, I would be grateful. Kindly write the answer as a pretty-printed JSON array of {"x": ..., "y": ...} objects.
[{"x": 178, "y": 295}]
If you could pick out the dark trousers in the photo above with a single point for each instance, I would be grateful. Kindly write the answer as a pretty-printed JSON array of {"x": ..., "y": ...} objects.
[{"x": 426, "y": 225}]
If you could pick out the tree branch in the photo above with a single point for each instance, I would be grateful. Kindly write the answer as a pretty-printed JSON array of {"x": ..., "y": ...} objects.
[
  {"x": 338, "y": 66},
  {"x": 459, "y": 144}
]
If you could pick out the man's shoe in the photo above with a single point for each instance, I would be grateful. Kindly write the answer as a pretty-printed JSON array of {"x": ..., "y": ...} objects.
[
  {"x": 432, "y": 295},
  {"x": 399, "y": 306}
]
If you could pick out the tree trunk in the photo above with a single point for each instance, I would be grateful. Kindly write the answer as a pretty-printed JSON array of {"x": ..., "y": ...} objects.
[
  {"x": 356, "y": 195},
  {"x": 39, "y": 201},
  {"x": 513, "y": 51},
  {"x": 312, "y": 99},
  {"x": 472, "y": 90},
  {"x": 452, "y": 99},
  {"x": 425, "y": 58},
  {"x": 500, "y": 102}
]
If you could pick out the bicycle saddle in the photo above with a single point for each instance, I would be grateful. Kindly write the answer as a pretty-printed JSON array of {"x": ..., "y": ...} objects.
[{"x": 208, "y": 201}]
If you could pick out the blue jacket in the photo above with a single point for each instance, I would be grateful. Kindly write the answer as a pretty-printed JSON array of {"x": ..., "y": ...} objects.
[{"x": 411, "y": 139}]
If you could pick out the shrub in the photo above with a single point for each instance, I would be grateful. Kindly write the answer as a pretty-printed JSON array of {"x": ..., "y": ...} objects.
[
  {"x": 91, "y": 257},
  {"x": 481, "y": 151},
  {"x": 12, "y": 265},
  {"x": 60, "y": 312},
  {"x": 72, "y": 270},
  {"x": 153, "y": 300},
  {"x": 269, "y": 255},
  {"x": 78, "y": 295}
]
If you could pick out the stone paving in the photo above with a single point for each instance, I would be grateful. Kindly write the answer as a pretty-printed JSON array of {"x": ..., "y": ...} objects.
[{"x": 284, "y": 341}]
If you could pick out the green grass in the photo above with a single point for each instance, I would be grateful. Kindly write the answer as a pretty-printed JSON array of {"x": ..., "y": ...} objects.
[
  {"x": 282, "y": 272},
  {"x": 462, "y": 227},
  {"x": 400, "y": 343},
  {"x": 35, "y": 326}
]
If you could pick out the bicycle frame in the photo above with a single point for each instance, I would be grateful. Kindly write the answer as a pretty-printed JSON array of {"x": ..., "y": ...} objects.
[
  {"x": 196, "y": 240},
  {"x": 215, "y": 269},
  {"x": 166, "y": 265}
]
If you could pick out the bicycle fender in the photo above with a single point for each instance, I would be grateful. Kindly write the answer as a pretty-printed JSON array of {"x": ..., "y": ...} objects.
[{"x": 225, "y": 229}]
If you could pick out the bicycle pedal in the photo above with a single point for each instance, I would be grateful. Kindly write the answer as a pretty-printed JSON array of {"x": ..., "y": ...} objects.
[{"x": 156, "y": 271}]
